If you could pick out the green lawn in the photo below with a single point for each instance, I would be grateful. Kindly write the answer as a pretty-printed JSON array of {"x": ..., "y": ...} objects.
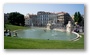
[
  {"x": 13, "y": 27},
  {"x": 21, "y": 43}
]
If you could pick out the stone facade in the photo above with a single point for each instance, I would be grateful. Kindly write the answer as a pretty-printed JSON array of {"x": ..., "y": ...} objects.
[
  {"x": 29, "y": 19},
  {"x": 34, "y": 19},
  {"x": 63, "y": 18},
  {"x": 42, "y": 18}
]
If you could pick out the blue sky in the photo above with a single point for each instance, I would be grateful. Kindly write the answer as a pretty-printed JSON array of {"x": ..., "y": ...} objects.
[{"x": 34, "y": 8}]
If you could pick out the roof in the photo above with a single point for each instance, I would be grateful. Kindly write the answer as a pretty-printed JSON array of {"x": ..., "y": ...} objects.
[{"x": 61, "y": 13}]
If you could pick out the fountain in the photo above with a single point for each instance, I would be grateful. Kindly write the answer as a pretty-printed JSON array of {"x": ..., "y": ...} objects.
[
  {"x": 48, "y": 25},
  {"x": 49, "y": 34},
  {"x": 52, "y": 27},
  {"x": 41, "y": 34},
  {"x": 32, "y": 25},
  {"x": 69, "y": 27}
]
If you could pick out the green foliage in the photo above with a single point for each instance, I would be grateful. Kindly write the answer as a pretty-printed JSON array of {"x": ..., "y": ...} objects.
[
  {"x": 77, "y": 17},
  {"x": 16, "y": 18}
]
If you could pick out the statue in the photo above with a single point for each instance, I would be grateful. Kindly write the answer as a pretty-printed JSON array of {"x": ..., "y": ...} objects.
[
  {"x": 68, "y": 27},
  {"x": 48, "y": 26}
]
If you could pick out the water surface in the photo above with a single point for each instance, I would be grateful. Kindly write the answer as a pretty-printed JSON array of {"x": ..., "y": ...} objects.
[{"x": 38, "y": 33}]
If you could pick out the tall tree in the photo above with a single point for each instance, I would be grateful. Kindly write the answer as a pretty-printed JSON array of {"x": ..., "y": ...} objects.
[
  {"x": 78, "y": 18},
  {"x": 16, "y": 18},
  {"x": 75, "y": 17}
]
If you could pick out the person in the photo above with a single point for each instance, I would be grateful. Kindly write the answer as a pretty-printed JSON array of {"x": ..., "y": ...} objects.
[
  {"x": 9, "y": 33},
  {"x": 6, "y": 32},
  {"x": 15, "y": 34}
]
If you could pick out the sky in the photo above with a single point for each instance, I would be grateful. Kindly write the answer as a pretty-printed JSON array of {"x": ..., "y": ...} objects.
[{"x": 34, "y": 8}]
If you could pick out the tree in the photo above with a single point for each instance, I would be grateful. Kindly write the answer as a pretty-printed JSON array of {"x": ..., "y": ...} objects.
[
  {"x": 16, "y": 18},
  {"x": 78, "y": 18},
  {"x": 75, "y": 17}
]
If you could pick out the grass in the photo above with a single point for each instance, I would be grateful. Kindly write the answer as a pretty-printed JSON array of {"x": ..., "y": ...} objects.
[
  {"x": 21, "y": 43},
  {"x": 13, "y": 27}
]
